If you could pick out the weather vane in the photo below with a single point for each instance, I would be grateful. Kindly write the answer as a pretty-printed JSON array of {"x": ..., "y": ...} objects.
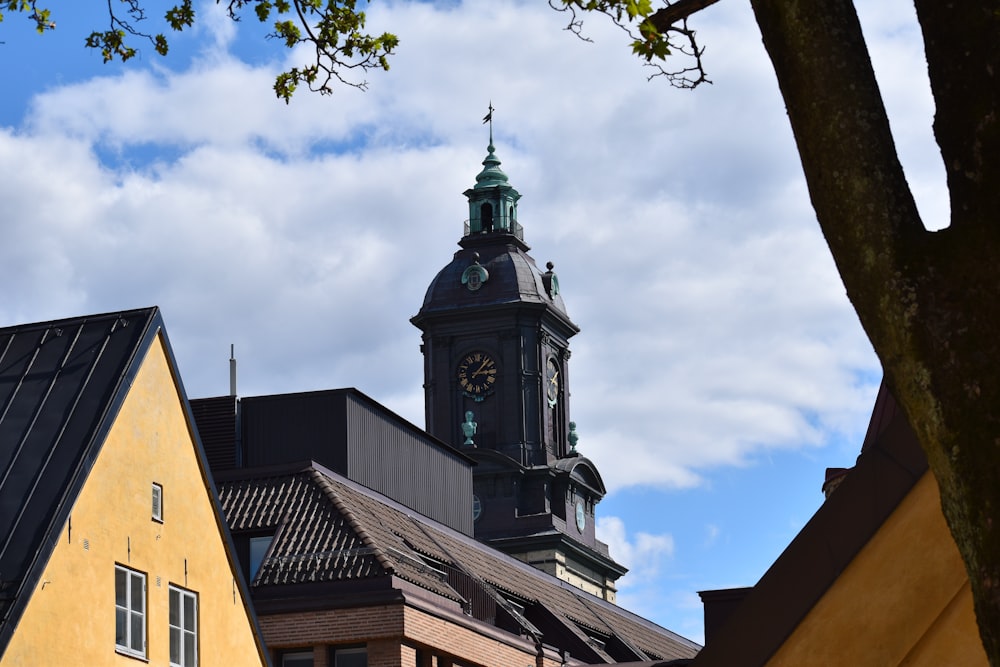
[{"x": 488, "y": 118}]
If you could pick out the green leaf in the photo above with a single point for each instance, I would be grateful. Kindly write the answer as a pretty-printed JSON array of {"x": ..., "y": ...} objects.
[
  {"x": 181, "y": 16},
  {"x": 263, "y": 10}
]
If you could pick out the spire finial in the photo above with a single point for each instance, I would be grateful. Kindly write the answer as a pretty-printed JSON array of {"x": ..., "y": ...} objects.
[{"x": 488, "y": 118}]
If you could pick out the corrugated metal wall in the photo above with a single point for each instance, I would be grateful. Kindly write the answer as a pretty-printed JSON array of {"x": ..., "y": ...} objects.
[
  {"x": 216, "y": 421},
  {"x": 353, "y": 435},
  {"x": 411, "y": 469},
  {"x": 288, "y": 428}
]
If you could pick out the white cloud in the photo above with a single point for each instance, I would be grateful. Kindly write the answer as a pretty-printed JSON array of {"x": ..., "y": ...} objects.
[
  {"x": 715, "y": 330},
  {"x": 643, "y": 553},
  {"x": 714, "y": 325}
]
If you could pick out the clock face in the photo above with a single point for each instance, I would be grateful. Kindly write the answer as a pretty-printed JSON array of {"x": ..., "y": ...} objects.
[
  {"x": 551, "y": 381},
  {"x": 477, "y": 374},
  {"x": 581, "y": 517}
]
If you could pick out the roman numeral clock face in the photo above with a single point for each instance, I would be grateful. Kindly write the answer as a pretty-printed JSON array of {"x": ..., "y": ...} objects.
[{"x": 477, "y": 375}]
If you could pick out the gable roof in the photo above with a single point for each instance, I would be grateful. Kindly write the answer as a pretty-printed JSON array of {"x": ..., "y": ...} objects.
[
  {"x": 890, "y": 464},
  {"x": 62, "y": 384},
  {"x": 329, "y": 529}
]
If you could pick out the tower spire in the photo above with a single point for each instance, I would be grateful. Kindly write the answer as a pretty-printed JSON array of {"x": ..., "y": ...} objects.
[{"x": 492, "y": 200}]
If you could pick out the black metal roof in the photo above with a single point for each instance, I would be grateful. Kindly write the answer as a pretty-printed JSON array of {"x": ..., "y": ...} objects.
[{"x": 61, "y": 384}]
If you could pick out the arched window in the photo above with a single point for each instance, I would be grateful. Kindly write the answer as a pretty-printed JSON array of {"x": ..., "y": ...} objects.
[{"x": 486, "y": 216}]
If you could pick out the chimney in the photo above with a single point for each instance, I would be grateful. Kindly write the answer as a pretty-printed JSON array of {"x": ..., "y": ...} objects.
[{"x": 719, "y": 606}]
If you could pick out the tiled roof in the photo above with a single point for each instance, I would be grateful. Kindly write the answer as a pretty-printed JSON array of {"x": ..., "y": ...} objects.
[
  {"x": 331, "y": 529},
  {"x": 319, "y": 538}
]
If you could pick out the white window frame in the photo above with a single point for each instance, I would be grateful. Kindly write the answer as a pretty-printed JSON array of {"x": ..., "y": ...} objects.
[
  {"x": 186, "y": 628},
  {"x": 157, "y": 502},
  {"x": 129, "y": 609}
]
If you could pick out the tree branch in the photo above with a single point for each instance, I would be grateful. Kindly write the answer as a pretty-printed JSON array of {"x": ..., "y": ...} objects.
[
  {"x": 666, "y": 17},
  {"x": 965, "y": 85},
  {"x": 653, "y": 41}
]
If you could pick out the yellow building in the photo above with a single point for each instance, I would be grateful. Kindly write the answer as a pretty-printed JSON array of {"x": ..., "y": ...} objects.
[
  {"x": 874, "y": 578},
  {"x": 113, "y": 550}
]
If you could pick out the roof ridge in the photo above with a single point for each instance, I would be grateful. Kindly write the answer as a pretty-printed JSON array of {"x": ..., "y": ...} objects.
[{"x": 331, "y": 493}]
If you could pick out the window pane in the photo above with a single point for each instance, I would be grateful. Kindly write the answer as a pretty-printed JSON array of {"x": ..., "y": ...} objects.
[
  {"x": 258, "y": 547},
  {"x": 175, "y": 646},
  {"x": 175, "y": 607},
  {"x": 138, "y": 633},
  {"x": 121, "y": 627},
  {"x": 120, "y": 578},
  {"x": 298, "y": 659},
  {"x": 189, "y": 650},
  {"x": 138, "y": 599},
  {"x": 351, "y": 658},
  {"x": 189, "y": 613}
]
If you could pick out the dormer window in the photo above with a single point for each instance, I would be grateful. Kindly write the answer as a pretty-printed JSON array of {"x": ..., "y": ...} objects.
[{"x": 259, "y": 547}]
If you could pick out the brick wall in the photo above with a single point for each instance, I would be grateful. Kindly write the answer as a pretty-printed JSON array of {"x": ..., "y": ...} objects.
[
  {"x": 397, "y": 635},
  {"x": 338, "y": 626}
]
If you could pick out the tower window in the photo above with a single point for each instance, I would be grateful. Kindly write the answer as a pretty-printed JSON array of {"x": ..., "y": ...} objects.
[{"x": 486, "y": 216}]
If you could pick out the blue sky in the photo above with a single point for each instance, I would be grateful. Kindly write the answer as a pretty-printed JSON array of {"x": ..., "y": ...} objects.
[{"x": 720, "y": 368}]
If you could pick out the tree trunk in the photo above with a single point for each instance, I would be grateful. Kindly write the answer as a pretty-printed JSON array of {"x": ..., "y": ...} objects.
[{"x": 929, "y": 301}]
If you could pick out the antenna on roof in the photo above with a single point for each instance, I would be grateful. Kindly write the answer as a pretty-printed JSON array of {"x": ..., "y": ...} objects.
[{"x": 232, "y": 370}]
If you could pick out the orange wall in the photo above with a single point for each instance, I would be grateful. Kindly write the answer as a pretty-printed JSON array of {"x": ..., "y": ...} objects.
[
  {"x": 903, "y": 600},
  {"x": 70, "y": 618}
]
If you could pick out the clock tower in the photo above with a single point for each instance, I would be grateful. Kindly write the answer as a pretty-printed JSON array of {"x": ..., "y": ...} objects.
[{"x": 496, "y": 385}]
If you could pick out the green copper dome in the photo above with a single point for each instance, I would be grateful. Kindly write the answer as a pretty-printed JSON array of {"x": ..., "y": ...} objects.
[{"x": 491, "y": 175}]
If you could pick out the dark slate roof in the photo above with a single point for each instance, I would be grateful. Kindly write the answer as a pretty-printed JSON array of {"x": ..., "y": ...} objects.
[
  {"x": 514, "y": 278},
  {"x": 889, "y": 466},
  {"x": 329, "y": 529},
  {"x": 61, "y": 385}
]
